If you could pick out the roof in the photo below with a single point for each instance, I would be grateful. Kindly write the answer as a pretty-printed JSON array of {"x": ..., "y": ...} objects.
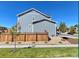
[
  {"x": 3, "y": 28},
  {"x": 32, "y": 9},
  {"x": 44, "y": 20}
]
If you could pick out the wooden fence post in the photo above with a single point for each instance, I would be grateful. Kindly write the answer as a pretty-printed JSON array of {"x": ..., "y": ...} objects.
[
  {"x": 25, "y": 37},
  {"x": 36, "y": 37},
  {"x": 0, "y": 36},
  {"x": 12, "y": 38}
]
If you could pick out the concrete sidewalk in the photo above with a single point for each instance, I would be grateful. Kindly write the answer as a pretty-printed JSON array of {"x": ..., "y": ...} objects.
[
  {"x": 69, "y": 36},
  {"x": 36, "y": 45}
]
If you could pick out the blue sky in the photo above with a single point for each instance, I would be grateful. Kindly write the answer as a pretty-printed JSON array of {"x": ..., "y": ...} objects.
[{"x": 59, "y": 11}]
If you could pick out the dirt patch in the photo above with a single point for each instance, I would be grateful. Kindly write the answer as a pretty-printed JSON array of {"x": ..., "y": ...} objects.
[
  {"x": 58, "y": 40},
  {"x": 72, "y": 41}
]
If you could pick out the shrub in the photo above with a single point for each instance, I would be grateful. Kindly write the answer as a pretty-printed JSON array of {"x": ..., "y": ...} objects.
[
  {"x": 72, "y": 30},
  {"x": 19, "y": 42},
  {"x": 7, "y": 42}
]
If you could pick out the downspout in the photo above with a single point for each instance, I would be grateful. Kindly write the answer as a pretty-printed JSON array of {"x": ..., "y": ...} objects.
[
  {"x": 55, "y": 29},
  {"x": 32, "y": 28},
  {"x": 32, "y": 25}
]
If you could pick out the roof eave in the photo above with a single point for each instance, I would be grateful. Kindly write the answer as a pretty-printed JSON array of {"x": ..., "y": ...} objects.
[
  {"x": 34, "y": 10},
  {"x": 44, "y": 20}
]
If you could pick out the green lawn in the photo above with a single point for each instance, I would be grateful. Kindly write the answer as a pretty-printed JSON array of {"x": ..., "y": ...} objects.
[{"x": 38, "y": 52}]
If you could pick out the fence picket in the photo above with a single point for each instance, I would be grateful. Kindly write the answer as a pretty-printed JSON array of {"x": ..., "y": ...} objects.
[{"x": 24, "y": 37}]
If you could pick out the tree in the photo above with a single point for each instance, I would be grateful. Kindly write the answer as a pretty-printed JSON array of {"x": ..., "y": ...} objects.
[
  {"x": 14, "y": 34},
  {"x": 14, "y": 29},
  {"x": 76, "y": 25},
  {"x": 72, "y": 30},
  {"x": 62, "y": 27}
]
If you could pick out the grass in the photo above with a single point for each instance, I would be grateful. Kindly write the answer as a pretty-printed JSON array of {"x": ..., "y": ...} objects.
[{"x": 39, "y": 52}]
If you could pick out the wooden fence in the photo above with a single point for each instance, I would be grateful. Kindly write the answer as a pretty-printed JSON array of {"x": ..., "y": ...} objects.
[{"x": 24, "y": 37}]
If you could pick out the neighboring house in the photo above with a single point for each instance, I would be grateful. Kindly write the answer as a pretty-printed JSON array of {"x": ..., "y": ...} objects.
[
  {"x": 33, "y": 20},
  {"x": 76, "y": 28},
  {"x": 2, "y": 29}
]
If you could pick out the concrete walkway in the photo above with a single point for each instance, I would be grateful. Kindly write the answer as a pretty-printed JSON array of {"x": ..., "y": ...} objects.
[
  {"x": 69, "y": 36},
  {"x": 36, "y": 45}
]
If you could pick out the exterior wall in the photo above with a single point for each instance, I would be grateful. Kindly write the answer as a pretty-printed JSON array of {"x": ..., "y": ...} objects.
[
  {"x": 45, "y": 26},
  {"x": 25, "y": 21}
]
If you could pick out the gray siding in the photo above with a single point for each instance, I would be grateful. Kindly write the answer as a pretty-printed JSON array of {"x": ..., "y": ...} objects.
[
  {"x": 25, "y": 22},
  {"x": 45, "y": 26}
]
